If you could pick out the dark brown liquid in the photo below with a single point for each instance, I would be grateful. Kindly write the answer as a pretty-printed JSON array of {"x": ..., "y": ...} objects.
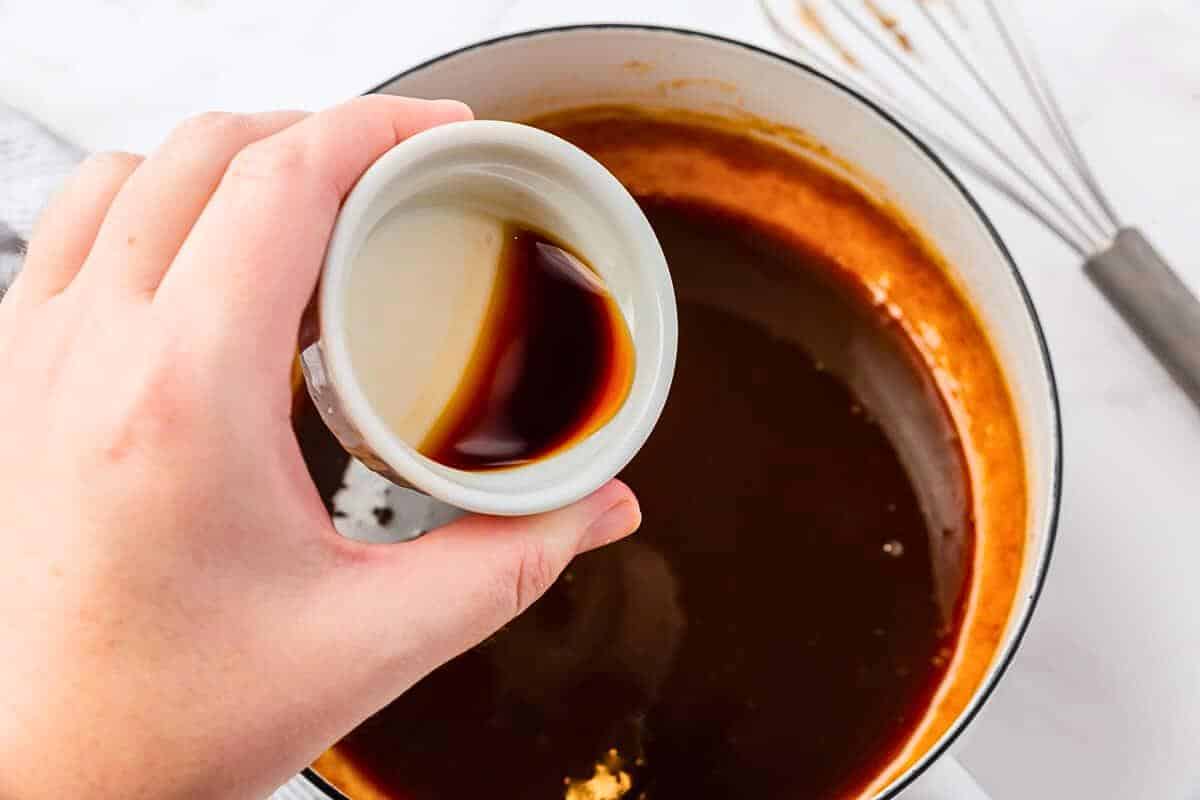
[
  {"x": 778, "y": 626},
  {"x": 554, "y": 362}
]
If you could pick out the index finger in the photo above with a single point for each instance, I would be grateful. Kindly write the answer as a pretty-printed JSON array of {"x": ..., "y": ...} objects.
[{"x": 248, "y": 268}]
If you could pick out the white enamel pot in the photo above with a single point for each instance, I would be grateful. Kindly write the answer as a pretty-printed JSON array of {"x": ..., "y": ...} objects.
[{"x": 516, "y": 76}]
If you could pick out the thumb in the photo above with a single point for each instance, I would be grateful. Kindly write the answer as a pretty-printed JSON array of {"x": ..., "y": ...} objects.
[{"x": 419, "y": 604}]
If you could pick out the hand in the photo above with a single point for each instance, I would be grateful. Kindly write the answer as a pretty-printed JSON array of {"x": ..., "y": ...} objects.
[{"x": 181, "y": 620}]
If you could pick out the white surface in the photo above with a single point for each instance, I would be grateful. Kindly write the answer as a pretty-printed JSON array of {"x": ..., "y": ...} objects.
[
  {"x": 946, "y": 779},
  {"x": 1104, "y": 698}
]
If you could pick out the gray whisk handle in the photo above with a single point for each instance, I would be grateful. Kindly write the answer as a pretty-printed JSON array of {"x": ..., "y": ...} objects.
[{"x": 1154, "y": 301}]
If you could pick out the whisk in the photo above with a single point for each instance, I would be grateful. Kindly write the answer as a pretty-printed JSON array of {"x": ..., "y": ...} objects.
[{"x": 940, "y": 67}]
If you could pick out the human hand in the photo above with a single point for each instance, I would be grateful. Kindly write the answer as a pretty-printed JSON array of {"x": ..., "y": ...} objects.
[{"x": 182, "y": 620}]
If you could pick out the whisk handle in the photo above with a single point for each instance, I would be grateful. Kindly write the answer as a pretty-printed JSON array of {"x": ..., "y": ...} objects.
[{"x": 1154, "y": 301}]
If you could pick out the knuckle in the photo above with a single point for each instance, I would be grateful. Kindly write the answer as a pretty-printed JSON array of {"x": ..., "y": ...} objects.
[
  {"x": 211, "y": 125},
  {"x": 269, "y": 160},
  {"x": 111, "y": 161},
  {"x": 157, "y": 410}
]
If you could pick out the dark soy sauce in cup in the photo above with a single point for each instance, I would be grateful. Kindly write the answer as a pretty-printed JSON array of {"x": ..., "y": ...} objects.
[
  {"x": 553, "y": 361},
  {"x": 481, "y": 342}
]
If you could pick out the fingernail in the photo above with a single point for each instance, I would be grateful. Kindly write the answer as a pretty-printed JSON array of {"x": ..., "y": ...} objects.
[{"x": 618, "y": 521}]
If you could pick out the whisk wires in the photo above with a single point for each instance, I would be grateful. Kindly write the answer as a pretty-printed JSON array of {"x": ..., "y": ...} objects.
[
  {"x": 1034, "y": 77},
  {"x": 1069, "y": 216}
]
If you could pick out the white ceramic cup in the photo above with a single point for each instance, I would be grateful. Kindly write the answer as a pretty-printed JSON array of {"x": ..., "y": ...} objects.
[
  {"x": 507, "y": 78},
  {"x": 534, "y": 178}
]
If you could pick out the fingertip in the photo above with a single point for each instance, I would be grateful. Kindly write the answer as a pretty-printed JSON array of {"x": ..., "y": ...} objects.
[
  {"x": 454, "y": 109},
  {"x": 612, "y": 493},
  {"x": 418, "y": 113},
  {"x": 620, "y": 486},
  {"x": 619, "y": 515}
]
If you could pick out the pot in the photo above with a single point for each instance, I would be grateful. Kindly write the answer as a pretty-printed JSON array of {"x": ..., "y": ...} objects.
[{"x": 526, "y": 74}]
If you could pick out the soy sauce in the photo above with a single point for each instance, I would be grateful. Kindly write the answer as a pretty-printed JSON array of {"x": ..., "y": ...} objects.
[{"x": 553, "y": 363}]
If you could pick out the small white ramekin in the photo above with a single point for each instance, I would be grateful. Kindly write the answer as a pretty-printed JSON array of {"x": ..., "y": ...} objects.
[{"x": 557, "y": 187}]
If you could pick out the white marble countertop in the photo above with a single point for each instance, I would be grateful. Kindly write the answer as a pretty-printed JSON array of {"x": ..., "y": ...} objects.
[{"x": 1104, "y": 699}]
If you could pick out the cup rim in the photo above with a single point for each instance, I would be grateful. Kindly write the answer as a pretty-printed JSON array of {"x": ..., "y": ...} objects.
[
  {"x": 617, "y": 441},
  {"x": 1040, "y": 565}
]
